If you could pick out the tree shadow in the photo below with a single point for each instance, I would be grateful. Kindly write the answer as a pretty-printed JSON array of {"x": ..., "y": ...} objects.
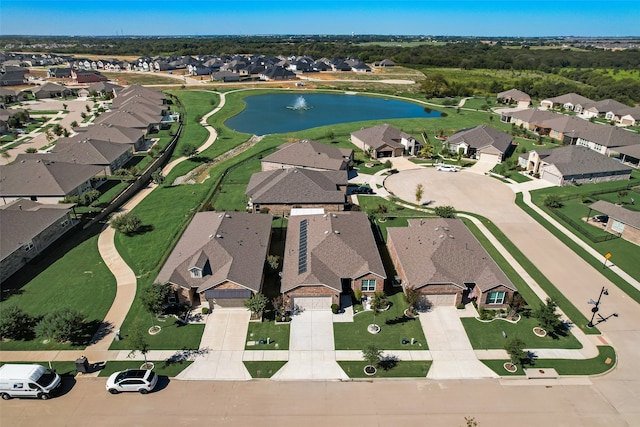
[
  {"x": 399, "y": 320},
  {"x": 143, "y": 229},
  {"x": 388, "y": 362}
]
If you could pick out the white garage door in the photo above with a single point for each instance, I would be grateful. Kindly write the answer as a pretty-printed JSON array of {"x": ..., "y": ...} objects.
[
  {"x": 554, "y": 179},
  {"x": 447, "y": 300},
  {"x": 490, "y": 158},
  {"x": 313, "y": 303}
]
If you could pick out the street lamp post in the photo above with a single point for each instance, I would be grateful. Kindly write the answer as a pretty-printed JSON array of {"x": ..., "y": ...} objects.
[{"x": 596, "y": 307}]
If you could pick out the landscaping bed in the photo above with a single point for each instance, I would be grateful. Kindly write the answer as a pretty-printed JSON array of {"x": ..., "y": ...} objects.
[{"x": 395, "y": 369}]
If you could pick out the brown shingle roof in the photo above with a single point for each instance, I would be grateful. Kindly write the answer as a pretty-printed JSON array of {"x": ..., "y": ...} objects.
[
  {"x": 483, "y": 136},
  {"x": 295, "y": 185},
  {"x": 228, "y": 246},
  {"x": 440, "y": 250},
  {"x": 619, "y": 213},
  {"x": 311, "y": 154},
  {"x": 339, "y": 245},
  {"x": 576, "y": 160},
  {"x": 381, "y": 135}
]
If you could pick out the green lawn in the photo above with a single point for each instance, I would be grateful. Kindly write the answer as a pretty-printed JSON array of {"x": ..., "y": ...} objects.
[
  {"x": 278, "y": 335},
  {"x": 394, "y": 327},
  {"x": 64, "y": 369},
  {"x": 78, "y": 279},
  {"x": 264, "y": 369},
  {"x": 488, "y": 335},
  {"x": 399, "y": 369},
  {"x": 600, "y": 364}
]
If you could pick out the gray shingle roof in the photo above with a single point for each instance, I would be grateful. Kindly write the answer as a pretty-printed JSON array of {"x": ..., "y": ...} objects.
[
  {"x": 577, "y": 160},
  {"x": 22, "y": 220},
  {"x": 108, "y": 132},
  {"x": 311, "y": 154},
  {"x": 339, "y": 245},
  {"x": 616, "y": 212},
  {"x": 381, "y": 135},
  {"x": 232, "y": 246},
  {"x": 292, "y": 186},
  {"x": 514, "y": 94},
  {"x": 443, "y": 251},
  {"x": 483, "y": 136}
]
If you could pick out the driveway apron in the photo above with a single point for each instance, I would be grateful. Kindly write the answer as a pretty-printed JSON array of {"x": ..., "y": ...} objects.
[{"x": 311, "y": 349}]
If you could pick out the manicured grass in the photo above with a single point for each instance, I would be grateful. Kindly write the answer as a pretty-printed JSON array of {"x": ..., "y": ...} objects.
[
  {"x": 488, "y": 335},
  {"x": 278, "y": 335},
  {"x": 518, "y": 177},
  {"x": 174, "y": 335},
  {"x": 161, "y": 367},
  {"x": 549, "y": 288},
  {"x": 600, "y": 364},
  {"x": 141, "y": 79},
  {"x": 625, "y": 252},
  {"x": 400, "y": 369},
  {"x": 264, "y": 369},
  {"x": 196, "y": 105},
  {"x": 394, "y": 327},
  {"x": 79, "y": 279},
  {"x": 64, "y": 369}
]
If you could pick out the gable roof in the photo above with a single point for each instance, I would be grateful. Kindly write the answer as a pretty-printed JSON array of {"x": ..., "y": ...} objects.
[
  {"x": 113, "y": 133},
  {"x": 295, "y": 185},
  {"x": 618, "y": 213},
  {"x": 381, "y": 135},
  {"x": 577, "y": 160},
  {"x": 443, "y": 250},
  {"x": 232, "y": 245},
  {"x": 570, "y": 98},
  {"x": 605, "y": 106},
  {"x": 338, "y": 245},
  {"x": 86, "y": 151},
  {"x": 483, "y": 136},
  {"x": 37, "y": 177},
  {"x": 22, "y": 220},
  {"x": 129, "y": 119},
  {"x": 514, "y": 94},
  {"x": 610, "y": 136},
  {"x": 311, "y": 154}
]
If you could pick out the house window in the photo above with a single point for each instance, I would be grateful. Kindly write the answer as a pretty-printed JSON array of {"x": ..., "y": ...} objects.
[
  {"x": 368, "y": 285},
  {"x": 28, "y": 246},
  {"x": 196, "y": 273},
  {"x": 496, "y": 297},
  {"x": 64, "y": 222}
]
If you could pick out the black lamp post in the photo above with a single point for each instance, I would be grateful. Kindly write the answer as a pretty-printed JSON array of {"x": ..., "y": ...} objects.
[{"x": 596, "y": 307}]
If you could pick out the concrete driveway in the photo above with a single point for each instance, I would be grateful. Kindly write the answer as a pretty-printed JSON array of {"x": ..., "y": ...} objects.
[
  {"x": 224, "y": 339},
  {"x": 576, "y": 279}
]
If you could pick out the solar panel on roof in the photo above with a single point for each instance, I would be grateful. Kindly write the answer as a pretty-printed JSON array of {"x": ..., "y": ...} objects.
[{"x": 302, "y": 247}]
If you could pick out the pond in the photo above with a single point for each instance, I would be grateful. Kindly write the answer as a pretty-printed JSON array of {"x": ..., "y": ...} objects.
[{"x": 290, "y": 112}]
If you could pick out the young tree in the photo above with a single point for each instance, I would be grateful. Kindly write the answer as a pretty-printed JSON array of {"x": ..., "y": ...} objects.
[
  {"x": 157, "y": 177},
  {"x": 273, "y": 261},
  {"x": 126, "y": 223},
  {"x": 280, "y": 304},
  {"x": 256, "y": 304},
  {"x": 154, "y": 297},
  {"x": 547, "y": 317},
  {"x": 419, "y": 192},
  {"x": 515, "y": 346},
  {"x": 388, "y": 164},
  {"x": 15, "y": 324},
  {"x": 74, "y": 124},
  {"x": 426, "y": 151},
  {"x": 445, "y": 211},
  {"x": 139, "y": 343},
  {"x": 61, "y": 324},
  {"x": 378, "y": 303},
  {"x": 372, "y": 355},
  {"x": 411, "y": 296}
]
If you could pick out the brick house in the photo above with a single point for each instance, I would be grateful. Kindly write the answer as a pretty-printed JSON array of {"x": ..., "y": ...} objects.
[
  {"x": 28, "y": 228},
  {"x": 483, "y": 143},
  {"x": 623, "y": 222},
  {"x": 329, "y": 255},
  {"x": 385, "y": 141},
  {"x": 283, "y": 189},
  {"x": 307, "y": 154},
  {"x": 447, "y": 265},
  {"x": 219, "y": 259}
]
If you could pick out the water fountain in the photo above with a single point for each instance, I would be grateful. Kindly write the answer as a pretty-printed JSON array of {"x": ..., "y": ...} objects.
[{"x": 300, "y": 104}]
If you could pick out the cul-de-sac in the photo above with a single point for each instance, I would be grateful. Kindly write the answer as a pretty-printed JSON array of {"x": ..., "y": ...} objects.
[{"x": 220, "y": 227}]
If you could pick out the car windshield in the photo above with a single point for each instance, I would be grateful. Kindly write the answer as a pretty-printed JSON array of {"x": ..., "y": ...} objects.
[
  {"x": 151, "y": 376},
  {"x": 46, "y": 378}
]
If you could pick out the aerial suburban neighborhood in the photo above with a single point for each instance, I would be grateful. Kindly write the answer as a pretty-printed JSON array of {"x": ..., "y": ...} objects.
[{"x": 167, "y": 221}]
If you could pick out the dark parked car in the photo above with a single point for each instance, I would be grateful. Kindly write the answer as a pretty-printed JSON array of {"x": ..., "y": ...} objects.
[{"x": 362, "y": 190}]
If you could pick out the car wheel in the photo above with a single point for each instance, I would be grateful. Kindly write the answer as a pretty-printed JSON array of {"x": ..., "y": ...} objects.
[
  {"x": 144, "y": 391},
  {"x": 43, "y": 396},
  {"x": 113, "y": 391},
  {"x": 5, "y": 396}
]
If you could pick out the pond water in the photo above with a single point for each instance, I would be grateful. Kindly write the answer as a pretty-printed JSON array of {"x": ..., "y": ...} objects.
[{"x": 290, "y": 112}]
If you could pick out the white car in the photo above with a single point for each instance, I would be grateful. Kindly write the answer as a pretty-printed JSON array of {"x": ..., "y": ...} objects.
[
  {"x": 446, "y": 168},
  {"x": 140, "y": 380}
]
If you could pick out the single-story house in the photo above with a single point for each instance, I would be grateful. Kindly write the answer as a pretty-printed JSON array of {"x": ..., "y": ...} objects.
[
  {"x": 280, "y": 190},
  {"x": 602, "y": 108},
  {"x": 329, "y": 255},
  {"x": 87, "y": 76},
  {"x": 445, "y": 263},
  {"x": 569, "y": 101},
  {"x": 385, "y": 141},
  {"x": 118, "y": 134},
  {"x": 482, "y": 142},
  {"x": 606, "y": 139},
  {"x": 12, "y": 76},
  {"x": 575, "y": 164},
  {"x": 307, "y": 154},
  {"x": 630, "y": 155},
  {"x": 50, "y": 90},
  {"x": 28, "y": 228},
  {"x": 219, "y": 259},
  {"x": 514, "y": 95},
  {"x": 623, "y": 222}
]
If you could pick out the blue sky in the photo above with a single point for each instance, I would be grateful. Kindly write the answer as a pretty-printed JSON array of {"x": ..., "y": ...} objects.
[{"x": 523, "y": 18}]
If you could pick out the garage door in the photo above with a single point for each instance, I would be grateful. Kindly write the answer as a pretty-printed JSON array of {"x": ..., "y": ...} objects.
[
  {"x": 448, "y": 300},
  {"x": 227, "y": 298},
  {"x": 554, "y": 179},
  {"x": 490, "y": 158},
  {"x": 313, "y": 303}
]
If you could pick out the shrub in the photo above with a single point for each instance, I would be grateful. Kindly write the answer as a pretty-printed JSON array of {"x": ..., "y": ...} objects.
[
  {"x": 256, "y": 304},
  {"x": 205, "y": 310},
  {"x": 460, "y": 306},
  {"x": 264, "y": 210},
  {"x": 553, "y": 201},
  {"x": 358, "y": 295},
  {"x": 30, "y": 150},
  {"x": 89, "y": 197},
  {"x": 445, "y": 211},
  {"x": 127, "y": 223},
  {"x": 334, "y": 308},
  {"x": 15, "y": 324},
  {"x": 62, "y": 324}
]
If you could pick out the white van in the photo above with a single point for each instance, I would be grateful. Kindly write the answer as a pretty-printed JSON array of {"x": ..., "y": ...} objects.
[{"x": 27, "y": 381}]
